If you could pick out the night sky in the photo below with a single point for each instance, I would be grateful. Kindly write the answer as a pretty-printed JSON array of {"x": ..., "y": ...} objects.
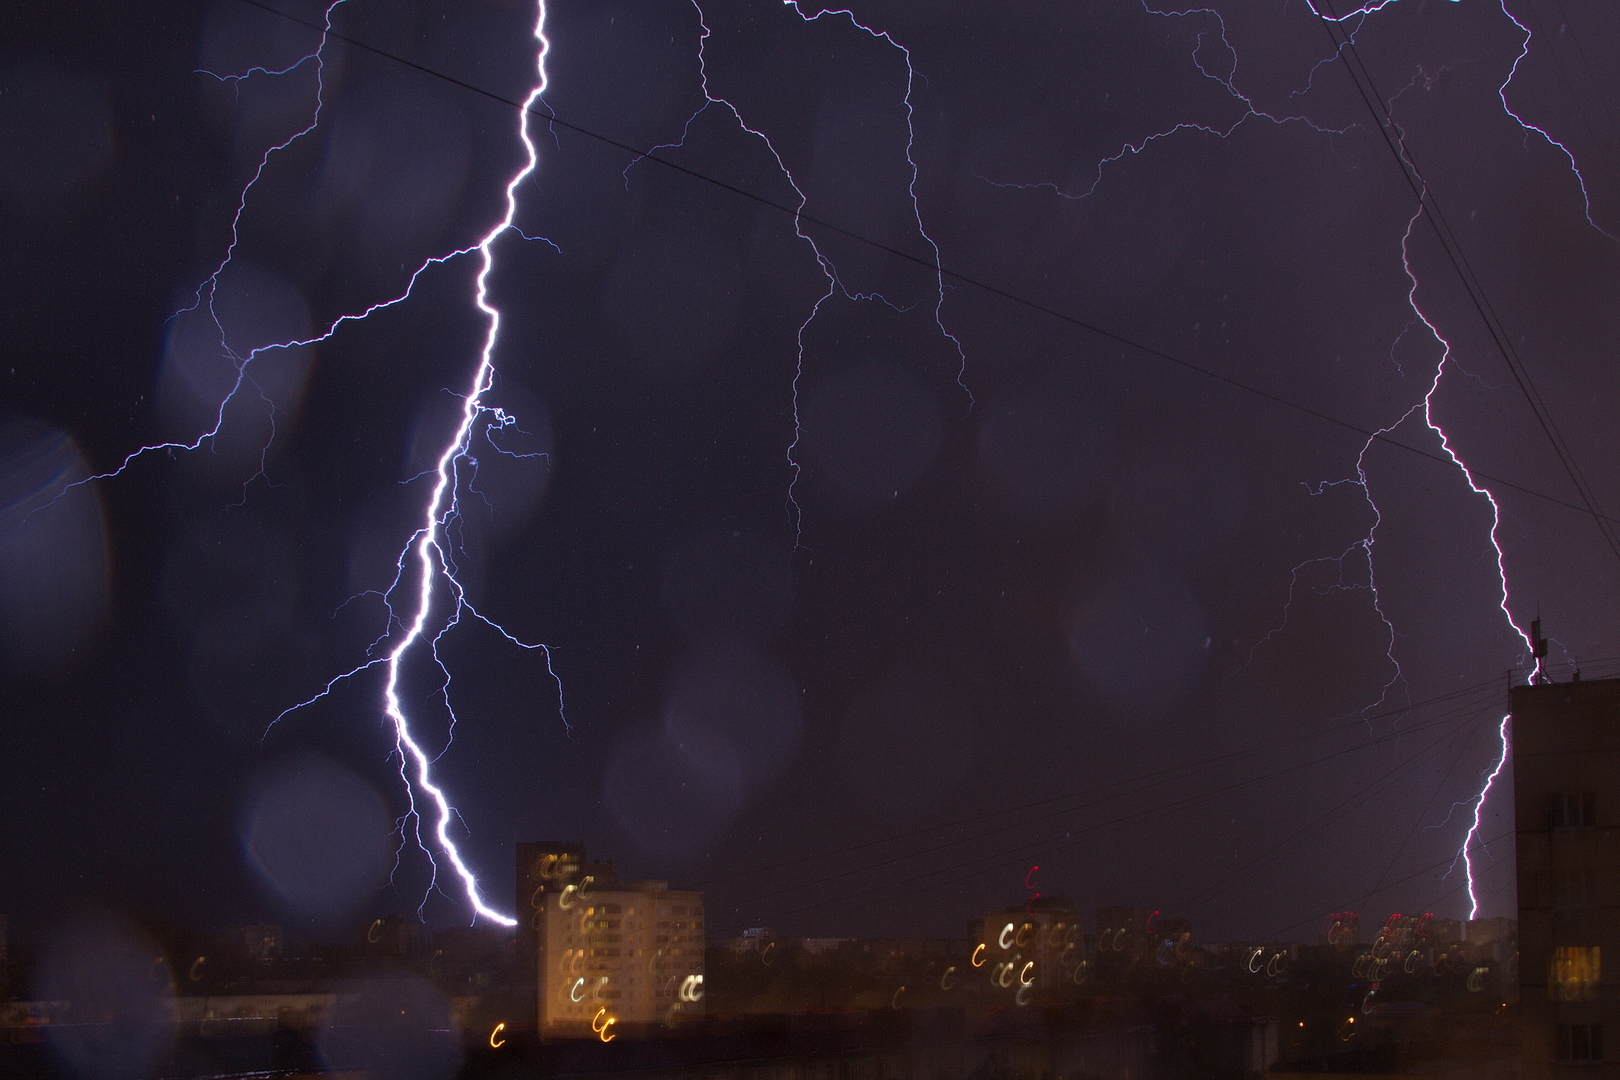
[{"x": 867, "y": 588}]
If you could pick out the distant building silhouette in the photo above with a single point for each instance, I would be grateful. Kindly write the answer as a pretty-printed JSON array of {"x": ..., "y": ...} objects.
[
  {"x": 261, "y": 941},
  {"x": 1566, "y": 775},
  {"x": 1029, "y": 948}
]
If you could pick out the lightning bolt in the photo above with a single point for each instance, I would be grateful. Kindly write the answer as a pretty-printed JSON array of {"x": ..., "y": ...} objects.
[
  {"x": 1433, "y": 424},
  {"x": 1361, "y": 13},
  {"x": 425, "y": 600},
  {"x": 428, "y": 557},
  {"x": 1363, "y": 548},
  {"x": 835, "y": 282},
  {"x": 1479, "y": 811},
  {"x": 1426, "y": 405},
  {"x": 1227, "y": 81}
]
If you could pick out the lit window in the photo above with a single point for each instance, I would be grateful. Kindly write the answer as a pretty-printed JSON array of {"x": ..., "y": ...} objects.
[{"x": 1576, "y": 971}]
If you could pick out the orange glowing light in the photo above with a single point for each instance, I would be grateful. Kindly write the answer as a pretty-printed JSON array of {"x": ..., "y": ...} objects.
[
  {"x": 496, "y": 1040},
  {"x": 1574, "y": 974},
  {"x": 978, "y": 955}
]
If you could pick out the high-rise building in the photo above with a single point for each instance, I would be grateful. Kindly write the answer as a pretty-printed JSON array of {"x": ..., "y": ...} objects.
[
  {"x": 1566, "y": 775},
  {"x": 610, "y": 955},
  {"x": 542, "y": 866}
]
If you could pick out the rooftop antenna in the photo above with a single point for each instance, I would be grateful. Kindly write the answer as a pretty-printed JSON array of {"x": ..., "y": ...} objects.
[{"x": 1538, "y": 649}]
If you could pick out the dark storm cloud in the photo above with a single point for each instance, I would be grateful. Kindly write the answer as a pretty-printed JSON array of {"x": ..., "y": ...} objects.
[
  {"x": 909, "y": 743},
  {"x": 728, "y": 584},
  {"x": 673, "y": 295},
  {"x": 1049, "y": 452},
  {"x": 954, "y": 590},
  {"x": 873, "y": 430},
  {"x": 56, "y": 134}
]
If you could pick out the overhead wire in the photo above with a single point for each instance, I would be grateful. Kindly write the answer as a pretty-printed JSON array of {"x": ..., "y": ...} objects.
[
  {"x": 1277, "y": 936},
  {"x": 1591, "y": 74},
  {"x": 1353, "y": 801},
  {"x": 1003, "y": 856},
  {"x": 1588, "y": 502},
  {"x": 1429, "y": 204},
  {"x": 1157, "y": 776},
  {"x": 644, "y": 154}
]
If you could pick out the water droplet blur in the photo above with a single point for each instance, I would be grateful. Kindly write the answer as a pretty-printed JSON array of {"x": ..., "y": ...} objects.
[
  {"x": 53, "y": 556},
  {"x": 318, "y": 834},
  {"x": 116, "y": 987}
]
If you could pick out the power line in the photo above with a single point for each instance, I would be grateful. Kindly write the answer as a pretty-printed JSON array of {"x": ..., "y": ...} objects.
[
  {"x": 1429, "y": 205},
  {"x": 1402, "y": 881},
  {"x": 1004, "y": 857},
  {"x": 1132, "y": 784},
  {"x": 1597, "y": 86},
  {"x": 1375, "y": 788},
  {"x": 931, "y": 264},
  {"x": 1417, "y": 820}
]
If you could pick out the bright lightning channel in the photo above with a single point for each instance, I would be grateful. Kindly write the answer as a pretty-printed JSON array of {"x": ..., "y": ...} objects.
[
  {"x": 428, "y": 549},
  {"x": 427, "y": 546},
  {"x": 1427, "y": 404},
  {"x": 1479, "y": 810},
  {"x": 426, "y": 560}
]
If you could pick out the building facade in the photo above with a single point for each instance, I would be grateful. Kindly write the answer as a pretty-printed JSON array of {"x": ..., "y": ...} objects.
[
  {"x": 1566, "y": 774},
  {"x": 617, "y": 956},
  {"x": 1022, "y": 950}
]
